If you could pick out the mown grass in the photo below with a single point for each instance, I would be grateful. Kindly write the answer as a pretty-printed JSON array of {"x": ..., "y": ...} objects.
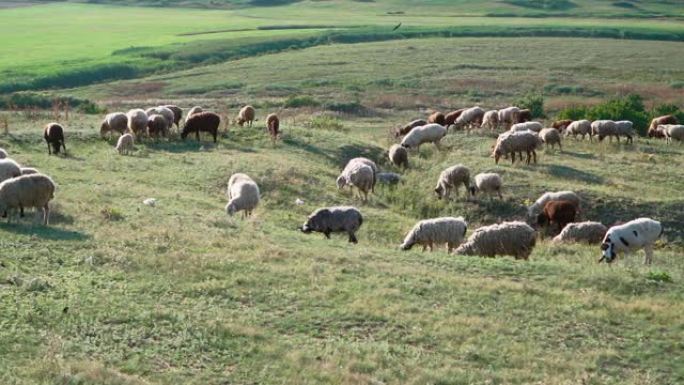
[{"x": 182, "y": 293}]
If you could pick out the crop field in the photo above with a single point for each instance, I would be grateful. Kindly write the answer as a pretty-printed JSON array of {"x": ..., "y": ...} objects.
[{"x": 118, "y": 292}]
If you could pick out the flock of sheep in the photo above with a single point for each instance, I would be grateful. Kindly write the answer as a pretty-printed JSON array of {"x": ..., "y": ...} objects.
[{"x": 22, "y": 188}]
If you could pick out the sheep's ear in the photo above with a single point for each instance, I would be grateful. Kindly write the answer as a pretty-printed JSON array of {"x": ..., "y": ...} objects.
[{"x": 604, "y": 246}]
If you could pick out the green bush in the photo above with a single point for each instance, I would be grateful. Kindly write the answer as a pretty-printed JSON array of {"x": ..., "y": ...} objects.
[
  {"x": 27, "y": 100},
  {"x": 301, "y": 101},
  {"x": 533, "y": 102},
  {"x": 326, "y": 122}
]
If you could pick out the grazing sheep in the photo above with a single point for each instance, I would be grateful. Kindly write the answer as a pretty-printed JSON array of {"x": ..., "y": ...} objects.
[
  {"x": 167, "y": 113},
  {"x": 488, "y": 183},
  {"x": 273, "y": 125},
  {"x": 157, "y": 125},
  {"x": 450, "y": 179},
  {"x": 653, "y": 127},
  {"x": 3, "y": 153},
  {"x": 490, "y": 119},
  {"x": 125, "y": 144},
  {"x": 9, "y": 169},
  {"x": 359, "y": 173},
  {"x": 243, "y": 195},
  {"x": 114, "y": 122},
  {"x": 551, "y": 136},
  {"x": 625, "y": 128},
  {"x": 587, "y": 232},
  {"x": 410, "y": 126},
  {"x": 509, "y": 238},
  {"x": 640, "y": 233},
  {"x": 428, "y": 232},
  {"x": 388, "y": 178},
  {"x": 604, "y": 128},
  {"x": 536, "y": 208},
  {"x": 451, "y": 117},
  {"x": 193, "y": 111},
  {"x": 246, "y": 115},
  {"x": 398, "y": 156},
  {"x": 579, "y": 127},
  {"x": 559, "y": 212},
  {"x": 54, "y": 136},
  {"x": 437, "y": 117},
  {"x": 524, "y": 126},
  {"x": 29, "y": 171},
  {"x": 338, "y": 219},
  {"x": 430, "y": 133},
  {"x": 470, "y": 118},
  {"x": 672, "y": 131},
  {"x": 507, "y": 115},
  {"x": 177, "y": 114},
  {"x": 523, "y": 116},
  {"x": 202, "y": 121},
  {"x": 361, "y": 160},
  {"x": 512, "y": 142},
  {"x": 561, "y": 125},
  {"x": 137, "y": 121},
  {"x": 27, "y": 191}
]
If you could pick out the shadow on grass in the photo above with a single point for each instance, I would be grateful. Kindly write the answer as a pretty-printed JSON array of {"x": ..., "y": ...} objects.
[
  {"x": 572, "y": 173},
  {"x": 582, "y": 155},
  {"x": 45, "y": 232},
  {"x": 308, "y": 147},
  {"x": 350, "y": 151}
]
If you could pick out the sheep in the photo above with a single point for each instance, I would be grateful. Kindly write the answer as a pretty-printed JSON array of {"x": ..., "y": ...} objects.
[
  {"x": 430, "y": 133},
  {"x": 243, "y": 195},
  {"x": 358, "y": 173},
  {"x": 587, "y": 232},
  {"x": 361, "y": 160},
  {"x": 137, "y": 121},
  {"x": 488, "y": 183},
  {"x": 29, "y": 171},
  {"x": 653, "y": 127},
  {"x": 524, "y": 126},
  {"x": 672, "y": 131},
  {"x": 246, "y": 115},
  {"x": 490, "y": 119},
  {"x": 451, "y": 117},
  {"x": 9, "y": 169},
  {"x": 640, "y": 233},
  {"x": 194, "y": 110},
  {"x": 398, "y": 156},
  {"x": 26, "y": 191},
  {"x": 579, "y": 127},
  {"x": 125, "y": 144},
  {"x": 388, "y": 178},
  {"x": 336, "y": 219},
  {"x": 177, "y": 114},
  {"x": 114, "y": 122},
  {"x": 509, "y": 238},
  {"x": 410, "y": 126},
  {"x": 507, "y": 115},
  {"x": 472, "y": 117},
  {"x": 437, "y": 117},
  {"x": 428, "y": 232},
  {"x": 3, "y": 153},
  {"x": 625, "y": 128},
  {"x": 202, "y": 121},
  {"x": 536, "y": 208},
  {"x": 450, "y": 179},
  {"x": 157, "y": 125},
  {"x": 559, "y": 212},
  {"x": 561, "y": 125},
  {"x": 551, "y": 136},
  {"x": 604, "y": 128},
  {"x": 167, "y": 113},
  {"x": 512, "y": 142},
  {"x": 54, "y": 136},
  {"x": 273, "y": 125},
  {"x": 523, "y": 116}
]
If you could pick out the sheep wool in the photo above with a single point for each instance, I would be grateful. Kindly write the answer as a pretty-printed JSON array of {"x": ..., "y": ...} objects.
[
  {"x": 472, "y": 117},
  {"x": 508, "y": 114},
  {"x": 359, "y": 173},
  {"x": 9, "y": 169},
  {"x": 532, "y": 126},
  {"x": 488, "y": 183},
  {"x": 29, "y": 171},
  {"x": 27, "y": 191},
  {"x": 551, "y": 136},
  {"x": 3, "y": 153},
  {"x": 410, "y": 126},
  {"x": 604, "y": 128},
  {"x": 430, "y": 133},
  {"x": 137, "y": 121},
  {"x": 640, "y": 233},
  {"x": 246, "y": 115},
  {"x": 243, "y": 193},
  {"x": 450, "y": 179},
  {"x": 388, "y": 178},
  {"x": 672, "y": 131},
  {"x": 114, "y": 122},
  {"x": 177, "y": 113},
  {"x": 536, "y": 208},
  {"x": 335, "y": 219},
  {"x": 398, "y": 156},
  {"x": 579, "y": 127},
  {"x": 516, "y": 239},
  {"x": 582, "y": 232},
  {"x": 490, "y": 119},
  {"x": 625, "y": 128},
  {"x": 125, "y": 144},
  {"x": 194, "y": 110},
  {"x": 516, "y": 141},
  {"x": 428, "y": 232}
]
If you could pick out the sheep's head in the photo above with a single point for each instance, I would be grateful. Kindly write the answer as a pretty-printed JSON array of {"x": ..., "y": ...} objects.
[
  {"x": 240, "y": 121},
  {"x": 341, "y": 182},
  {"x": 542, "y": 220},
  {"x": 231, "y": 209},
  {"x": 439, "y": 190},
  {"x": 608, "y": 251},
  {"x": 473, "y": 190},
  {"x": 104, "y": 128}
]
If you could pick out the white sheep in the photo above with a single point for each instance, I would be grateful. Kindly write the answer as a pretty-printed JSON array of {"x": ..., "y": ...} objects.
[
  {"x": 137, "y": 121},
  {"x": 472, "y": 117},
  {"x": 9, "y": 169},
  {"x": 512, "y": 142},
  {"x": 166, "y": 112},
  {"x": 398, "y": 156},
  {"x": 509, "y": 238},
  {"x": 359, "y": 175},
  {"x": 450, "y": 179},
  {"x": 532, "y": 126},
  {"x": 640, "y": 233},
  {"x": 125, "y": 144},
  {"x": 488, "y": 183},
  {"x": 428, "y": 232},
  {"x": 536, "y": 208},
  {"x": 429, "y": 133},
  {"x": 507, "y": 115},
  {"x": 243, "y": 195},
  {"x": 672, "y": 131},
  {"x": 3, "y": 153},
  {"x": 27, "y": 191},
  {"x": 194, "y": 110},
  {"x": 586, "y": 232},
  {"x": 490, "y": 120},
  {"x": 551, "y": 136},
  {"x": 625, "y": 128},
  {"x": 114, "y": 122},
  {"x": 604, "y": 128},
  {"x": 579, "y": 127}
]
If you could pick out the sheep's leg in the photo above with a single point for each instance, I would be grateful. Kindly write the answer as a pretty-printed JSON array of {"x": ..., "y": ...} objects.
[
  {"x": 450, "y": 246},
  {"x": 424, "y": 248},
  {"x": 649, "y": 254},
  {"x": 49, "y": 148},
  {"x": 327, "y": 234},
  {"x": 534, "y": 153},
  {"x": 197, "y": 135},
  {"x": 430, "y": 246},
  {"x": 64, "y": 146},
  {"x": 499, "y": 192},
  {"x": 46, "y": 214},
  {"x": 352, "y": 237}
]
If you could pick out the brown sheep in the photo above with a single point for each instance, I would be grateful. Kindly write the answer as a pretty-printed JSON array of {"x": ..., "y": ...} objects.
[
  {"x": 437, "y": 117},
  {"x": 273, "y": 124},
  {"x": 653, "y": 128},
  {"x": 523, "y": 116},
  {"x": 177, "y": 114},
  {"x": 246, "y": 115},
  {"x": 561, "y": 125},
  {"x": 560, "y": 212},
  {"x": 410, "y": 126},
  {"x": 202, "y": 121},
  {"x": 451, "y": 117},
  {"x": 54, "y": 136}
]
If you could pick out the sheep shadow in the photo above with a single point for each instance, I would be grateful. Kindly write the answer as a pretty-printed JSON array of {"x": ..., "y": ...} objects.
[
  {"x": 44, "y": 232},
  {"x": 350, "y": 151},
  {"x": 581, "y": 155},
  {"x": 566, "y": 172},
  {"x": 308, "y": 147}
]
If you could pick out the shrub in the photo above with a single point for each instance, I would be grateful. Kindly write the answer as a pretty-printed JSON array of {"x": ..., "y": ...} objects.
[
  {"x": 326, "y": 122},
  {"x": 573, "y": 113},
  {"x": 533, "y": 102},
  {"x": 346, "y": 107},
  {"x": 29, "y": 100},
  {"x": 301, "y": 101},
  {"x": 667, "y": 109}
]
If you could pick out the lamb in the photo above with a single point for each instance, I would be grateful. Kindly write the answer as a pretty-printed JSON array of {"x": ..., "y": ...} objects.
[
  {"x": 509, "y": 238},
  {"x": 27, "y": 191},
  {"x": 640, "y": 233},
  {"x": 538, "y": 206},
  {"x": 430, "y": 133},
  {"x": 428, "y": 232},
  {"x": 29, "y": 171},
  {"x": 604, "y": 128},
  {"x": 653, "y": 127},
  {"x": 512, "y": 142},
  {"x": 193, "y": 111},
  {"x": 273, "y": 125},
  {"x": 177, "y": 114},
  {"x": 625, "y": 128},
  {"x": 507, "y": 115},
  {"x": 202, "y": 121},
  {"x": 54, "y": 136},
  {"x": 410, "y": 126},
  {"x": 560, "y": 212},
  {"x": 246, "y": 115},
  {"x": 125, "y": 144},
  {"x": 114, "y": 122},
  {"x": 243, "y": 195},
  {"x": 450, "y": 179},
  {"x": 586, "y": 232},
  {"x": 523, "y": 116},
  {"x": 532, "y": 126},
  {"x": 3, "y": 153},
  {"x": 490, "y": 119},
  {"x": 488, "y": 183},
  {"x": 472, "y": 117},
  {"x": 359, "y": 173},
  {"x": 551, "y": 136},
  {"x": 561, "y": 125},
  {"x": 388, "y": 178},
  {"x": 9, "y": 169},
  {"x": 336, "y": 219},
  {"x": 672, "y": 131},
  {"x": 157, "y": 125},
  {"x": 437, "y": 117},
  {"x": 451, "y": 117},
  {"x": 579, "y": 127},
  {"x": 398, "y": 156},
  {"x": 137, "y": 121}
]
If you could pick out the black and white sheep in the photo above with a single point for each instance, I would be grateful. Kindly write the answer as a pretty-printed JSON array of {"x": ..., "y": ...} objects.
[
  {"x": 516, "y": 239},
  {"x": 640, "y": 233},
  {"x": 54, "y": 137},
  {"x": 338, "y": 219},
  {"x": 451, "y": 179},
  {"x": 446, "y": 230},
  {"x": 27, "y": 191},
  {"x": 243, "y": 195}
]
